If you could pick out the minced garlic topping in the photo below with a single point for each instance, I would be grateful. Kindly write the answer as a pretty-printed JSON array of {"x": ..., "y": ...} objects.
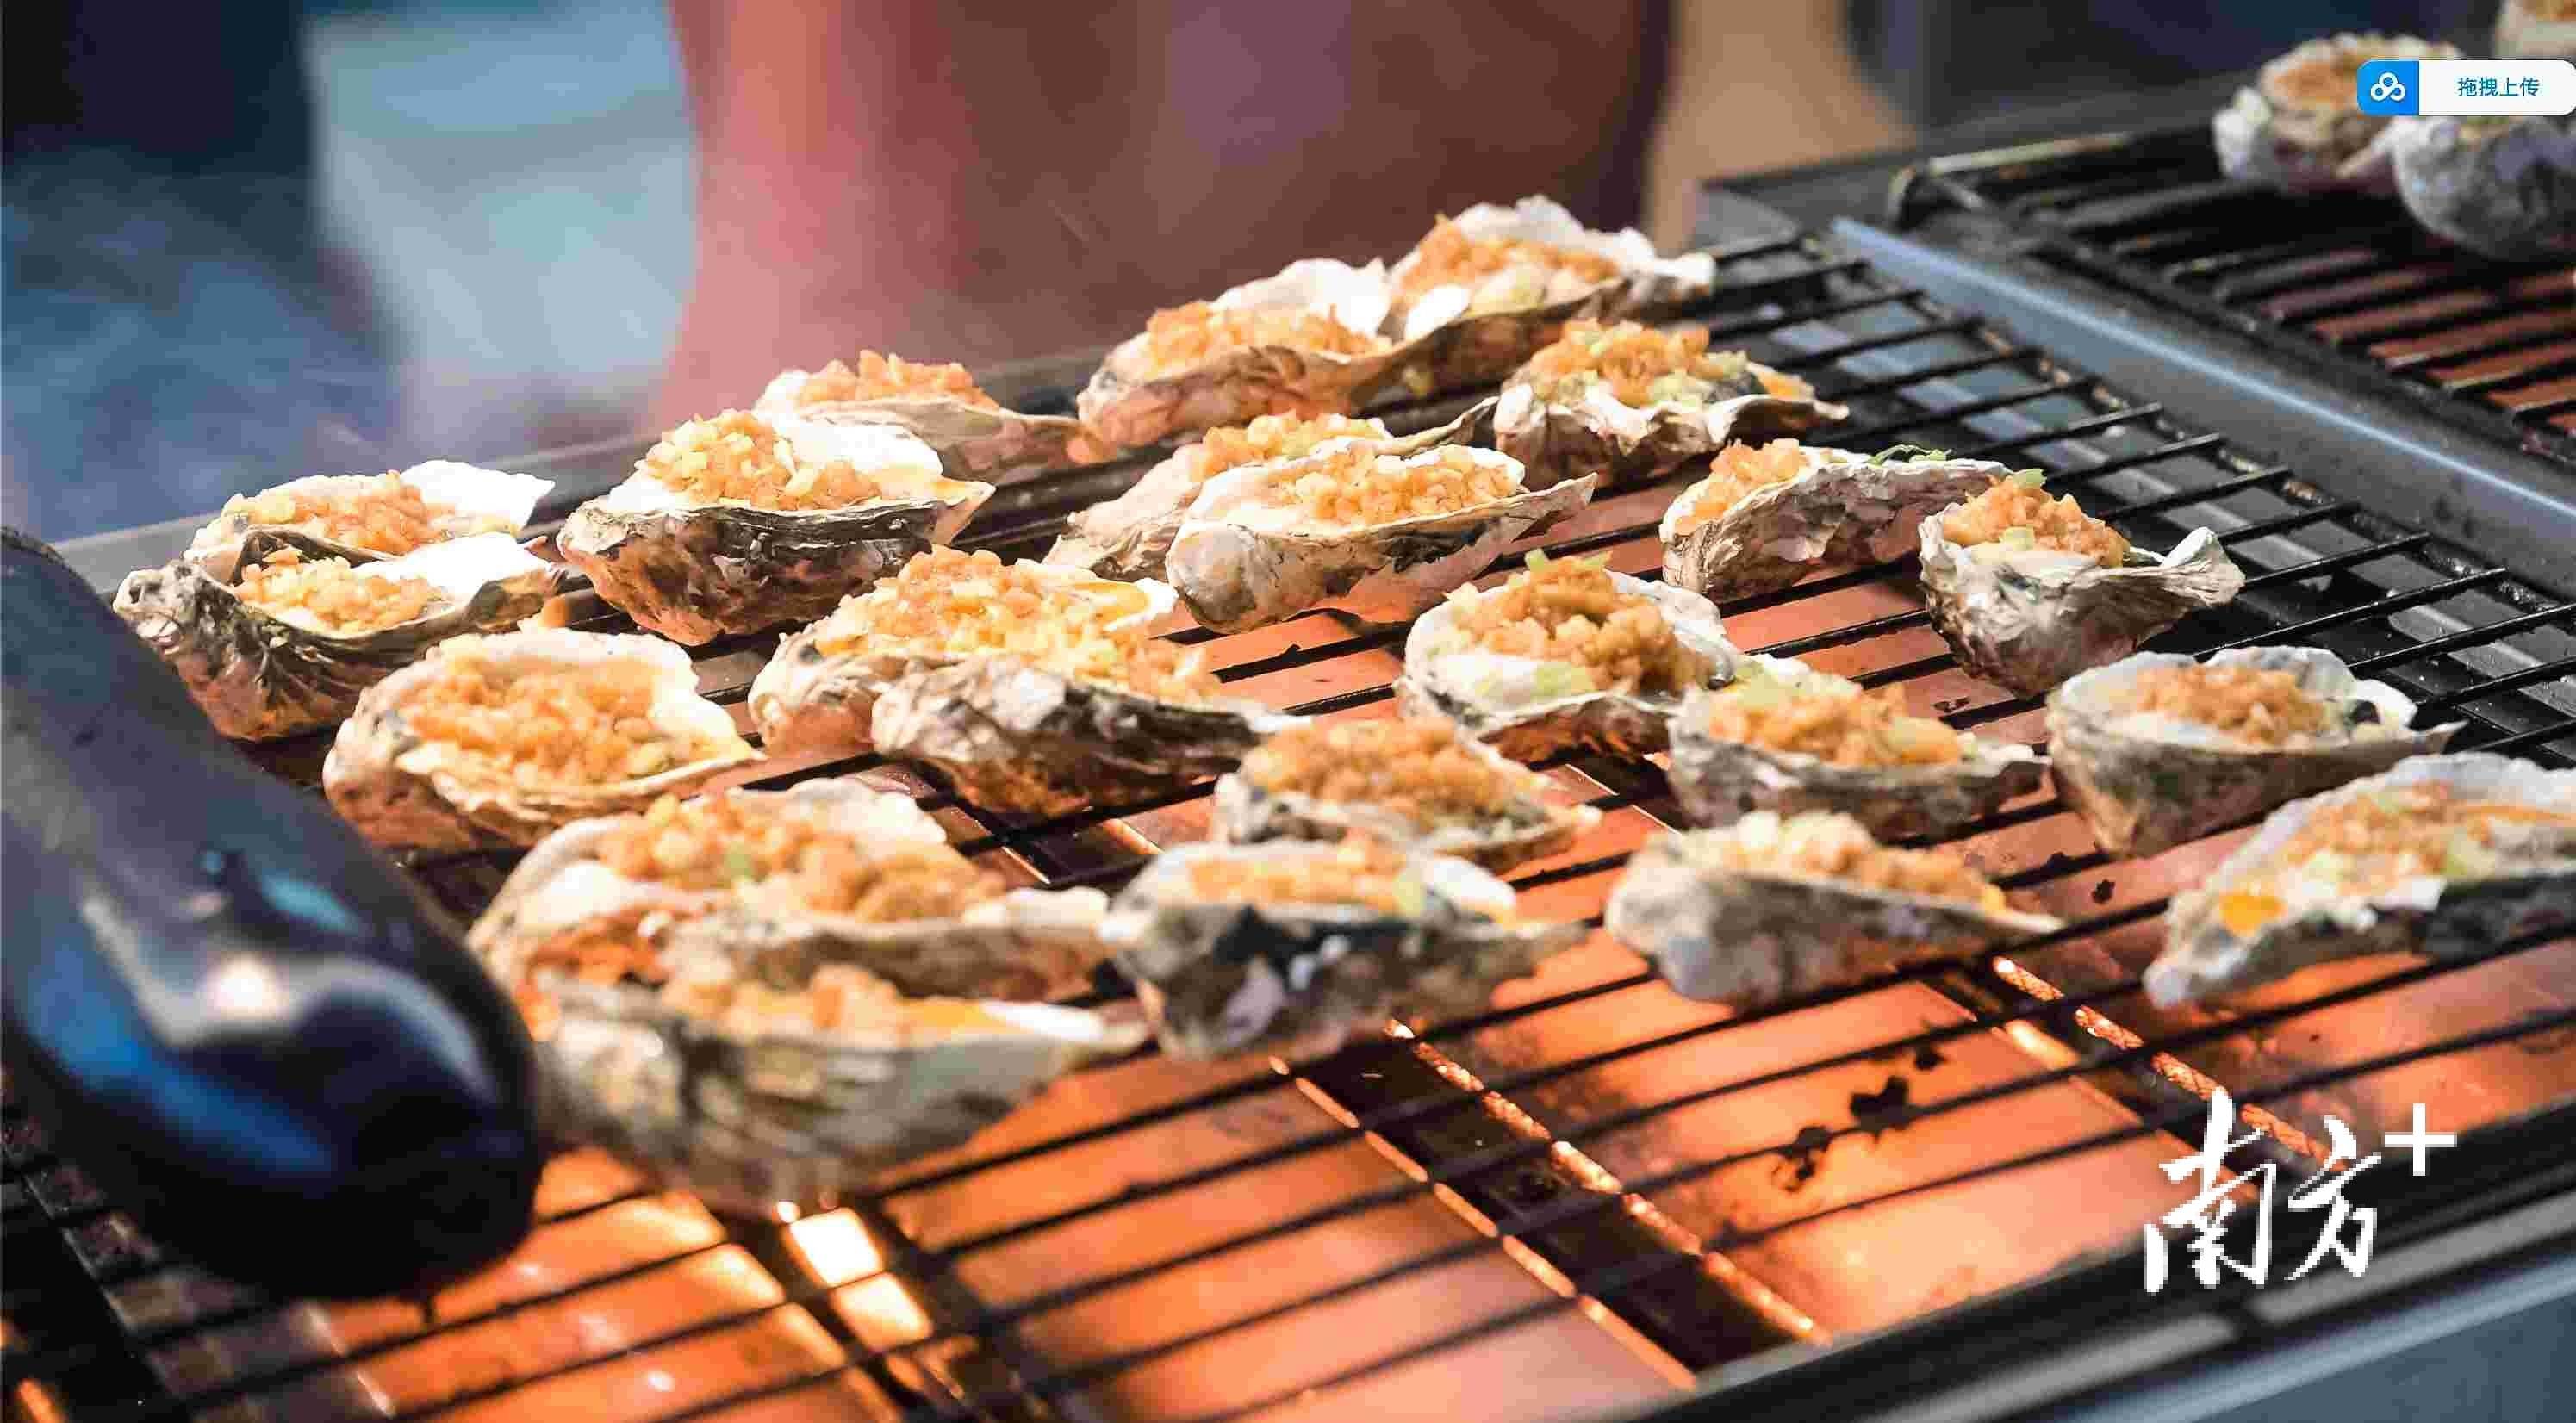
[
  {"x": 1420, "y": 769},
  {"x": 1644, "y": 366},
  {"x": 1276, "y": 437},
  {"x": 1826, "y": 845},
  {"x": 2325, "y": 82},
  {"x": 1738, "y": 470},
  {"x": 330, "y": 594},
  {"x": 2376, "y": 841},
  {"x": 2018, "y": 514},
  {"x": 838, "y": 998},
  {"x": 723, "y": 841},
  {"x": 1831, "y": 719},
  {"x": 1355, "y": 485},
  {"x": 377, "y": 512},
  {"x": 2261, "y": 705},
  {"x": 547, "y": 724},
  {"x": 1184, "y": 336},
  {"x": 1568, "y": 611},
  {"x": 1360, "y": 872},
  {"x": 1447, "y": 256},
  {"x": 880, "y": 376},
  {"x": 947, "y": 602},
  {"x": 737, "y": 456}
]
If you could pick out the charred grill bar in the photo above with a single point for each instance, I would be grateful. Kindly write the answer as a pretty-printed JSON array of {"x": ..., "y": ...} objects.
[{"x": 1593, "y": 1193}]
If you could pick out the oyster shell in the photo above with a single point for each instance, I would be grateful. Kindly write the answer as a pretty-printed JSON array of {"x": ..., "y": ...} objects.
[
  {"x": 694, "y": 568},
  {"x": 2029, "y": 618},
  {"x": 2259, "y": 917},
  {"x": 461, "y": 499},
  {"x": 402, "y": 789},
  {"x": 2535, "y": 29},
  {"x": 1719, "y": 780},
  {"x": 1510, "y": 309},
  {"x": 1133, "y": 399},
  {"x": 2148, "y": 781},
  {"x": 1559, "y": 430},
  {"x": 2502, "y": 186},
  {"x": 1128, "y": 536},
  {"x": 1252, "y": 806},
  {"x": 974, "y": 437},
  {"x": 261, "y": 674},
  {"x": 811, "y": 698},
  {"x": 1842, "y": 508},
  {"x": 1222, "y": 974},
  {"x": 1730, "y": 916},
  {"x": 1020, "y": 736},
  {"x": 1529, "y": 709},
  {"x": 1246, "y": 555},
  {"x": 2300, "y": 126}
]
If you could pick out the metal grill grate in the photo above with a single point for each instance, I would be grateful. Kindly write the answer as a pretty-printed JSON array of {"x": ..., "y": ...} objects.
[
  {"x": 2347, "y": 280},
  {"x": 1594, "y": 1191}
]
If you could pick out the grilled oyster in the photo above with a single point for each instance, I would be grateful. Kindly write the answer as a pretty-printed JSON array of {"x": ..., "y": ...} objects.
[
  {"x": 2536, "y": 29},
  {"x": 362, "y": 517},
  {"x": 819, "y": 689},
  {"x": 1770, "y": 907},
  {"x": 726, "y": 527},
  {"x": 1414, "y": 784},
  {"x": 1115, "y": 718},
  {"x": 1784, "y": 737},
  {"x": 2029, "y": 591},
  {"x": 2502, "y": 186},
  {"x": 1565, "y": 653},
  {"x": 1769, "y": 515},
  {"x": 2438, "y": 855},
  {"x": 2157, "y": 749},
  {"x": 1630, "y": 402},
  {"x": 1499, "y": 279},
  {"x": 939, "y": 405},
  {"x": 287, "y": 642},
  {"x": 1302, "y": 342},
  {"x": 2300, "y": 126},
  {"x": 1128, "y": 536},
  {"x": 1291, "y": 949},
  {"x": 497, "y": 740},
  {"x": 1382, "y": 536},
  {"x": 724, "y": 989}
]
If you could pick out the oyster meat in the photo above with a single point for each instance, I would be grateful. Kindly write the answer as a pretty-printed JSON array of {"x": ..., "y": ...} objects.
[
  {"x": 2502, "y": 186},
  {"x": 2299, "y": 125},
  {"x": 939, "y": 405},
  {"x": 944, "y": 606},
  {"x": 1302, "y": 342},
  {"x": 728, "y": 527},
  {"x": 1770, "y": 907},
  {"x": 497, "y": 740},
  {"x": 768, "y": 996},
  {"x": 286, "y": 641},
  {"x": 1629, "y": 403},
  {"x": 1784, "y": 737},
  {"x": 1497, "y": 280},
  {"x": 1382, "y": 536},
  {"x": 2437, "y": 855},
  {"x": 1128, "y": 536},
  {"x": 2157, "y": 749},
  {"x": 364, "y": 517},
  {"x": 2536, "y": 29},
  {"x": 1291, "y": 949},
  {"x": 2029, "y": 591},
  {"x": 1769, "y": 515},
  {"x": 1563, "y": 654},
  {"x": 1414, "y": 784}
]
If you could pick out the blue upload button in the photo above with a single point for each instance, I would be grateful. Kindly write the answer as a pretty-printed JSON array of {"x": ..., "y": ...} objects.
[{"x": 2389, "y": 86}]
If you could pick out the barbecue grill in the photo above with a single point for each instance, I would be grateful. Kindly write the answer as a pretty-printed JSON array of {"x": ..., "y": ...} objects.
[{"x": 1920, "y": 1193}]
